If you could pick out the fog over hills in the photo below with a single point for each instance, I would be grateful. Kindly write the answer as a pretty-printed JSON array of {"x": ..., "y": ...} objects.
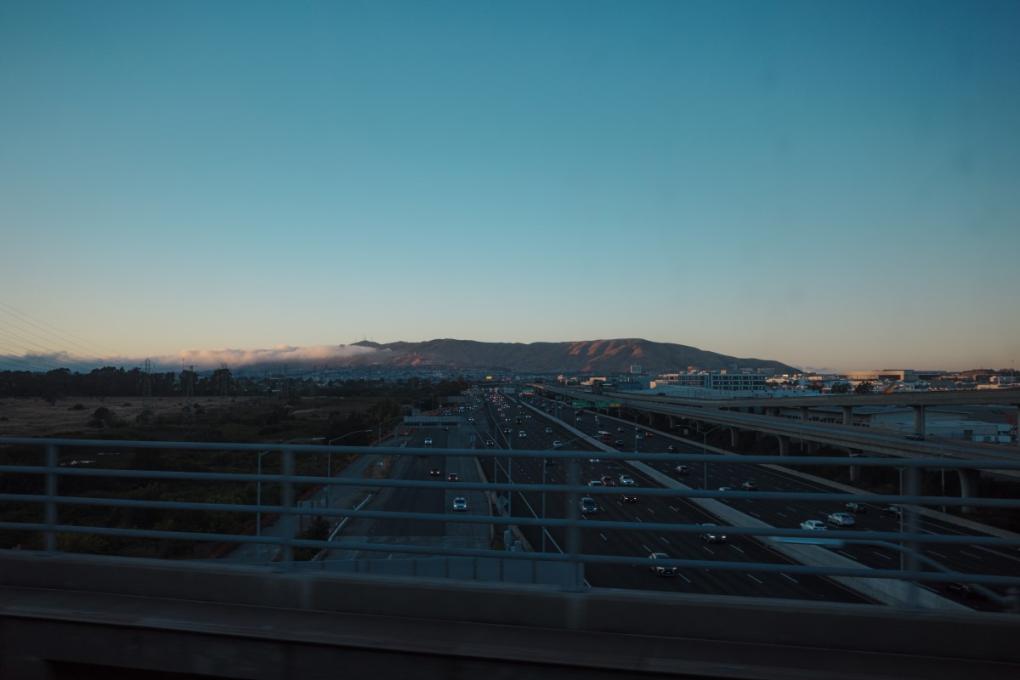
[{"x": 591, "y": 356}]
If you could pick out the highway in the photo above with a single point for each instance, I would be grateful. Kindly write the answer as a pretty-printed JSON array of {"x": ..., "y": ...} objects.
[
  {"x": 788, "y": 514},
  {"x": 424, "y": 500},
  {"x": 638, "y": 543},
  {"x": 873, "y": 440}
]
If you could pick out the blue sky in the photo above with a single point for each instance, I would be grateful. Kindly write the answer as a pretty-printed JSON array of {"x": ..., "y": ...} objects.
[{"x": 825, "y": 183}]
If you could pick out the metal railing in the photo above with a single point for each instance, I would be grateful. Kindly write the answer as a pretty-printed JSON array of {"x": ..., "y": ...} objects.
[{"x": 52, "y": 523}]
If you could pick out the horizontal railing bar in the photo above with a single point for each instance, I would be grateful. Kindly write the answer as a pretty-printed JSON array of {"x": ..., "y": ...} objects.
[
  {"x": 856, "y": 536},
  {"x": 834, "y": 497},
  {"x": 319, "y": 449},
  {"x": 940, "y": 577}
]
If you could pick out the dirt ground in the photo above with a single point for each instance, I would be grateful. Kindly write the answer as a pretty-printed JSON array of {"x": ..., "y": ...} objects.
[{"x": 70, "y": 416}]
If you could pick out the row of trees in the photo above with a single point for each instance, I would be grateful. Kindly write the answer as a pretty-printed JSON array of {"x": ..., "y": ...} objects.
[{"x": 118, "y": 382}]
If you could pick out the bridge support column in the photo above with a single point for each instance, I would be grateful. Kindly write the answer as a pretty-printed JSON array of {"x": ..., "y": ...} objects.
[
  {"x": 848, "y": 415},
  {"x": 784, "y": 445},
  {"x": 769, "y": 411},
  {"x": 671, "y": 422},
  {"x": 734, "y": 437},
  {"x": 919, "y": 425},
  {"x": 969, "y": 482},
  {"x": 803, "y": 412}
]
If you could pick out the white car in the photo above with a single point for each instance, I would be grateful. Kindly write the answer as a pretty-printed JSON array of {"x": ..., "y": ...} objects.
[
  {"x": 813, "y": 525},
  {"x": 627, "y": 480},
  {"x": 460, "y": 504},
  {"x": 428, "y": 441},
  {"x": 521, "y": 434},
  {"x": 841, "y": 519},
  {"x": 557, "y": 444},
  {"x": 596, "y": 482},
  {"x": 548, "y": 430}
]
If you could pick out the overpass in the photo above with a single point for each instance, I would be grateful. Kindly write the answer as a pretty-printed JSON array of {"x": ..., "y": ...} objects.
[
  {"x": 838, "y": 436},
  {"x": 65, "y": 612}
]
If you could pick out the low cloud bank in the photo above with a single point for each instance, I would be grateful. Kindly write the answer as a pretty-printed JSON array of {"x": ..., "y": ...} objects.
[{"x": 199, "y": 358}]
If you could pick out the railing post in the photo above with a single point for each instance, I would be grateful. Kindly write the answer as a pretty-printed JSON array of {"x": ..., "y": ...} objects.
[
  {"x": 287, "y": 501},
  {"x": 52, "y": 461},
  {"x": 913, "y": 547},
  {"x": 575, "y": 580}
]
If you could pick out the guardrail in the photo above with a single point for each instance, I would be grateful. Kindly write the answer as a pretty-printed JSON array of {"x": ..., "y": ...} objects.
[{"x": 39, "y": 487}]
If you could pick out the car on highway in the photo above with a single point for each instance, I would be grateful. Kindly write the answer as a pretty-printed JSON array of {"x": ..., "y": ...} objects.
[
  {"x": 726, "y": 488},
  {"x": 627, "y": 480},
  {"x": 594, "y": 460},
  {"x": 471, "y": 419},
  {"x": 892, "y": 510},
  {"x": 548, "y": 430},
  {"x": 460, "y": 504},
  {"x": 588, "y": 505},
  {"x": 619, "y": 429},
  {"x": 618, "y": 442},
  {"x": 841, "y": 519},
  {"x": 557, "y": 444},
  {"x": 608, "y": 481},
  {"x": 661, "y": 570},
  {"x": 596, "y": 482},
  {"x": 428, "y": 441},
  {"x": 749, "y": 486},
  {"x": 856, "y": 508},
  {"x": 453, "y": 477},
  {"x": 629, "y": 498},
  {"x": 435, "y": 472},
  {"x": 671, "y": 448},
  {"x": 682, "y": 469},
  {"x": 490, "y": 444},
  {"x": 521, "y": 434},
  {"x": 712, "y": 534},
  {"x": 507, "y": 430},
  {"x": 813, "y": 525}
]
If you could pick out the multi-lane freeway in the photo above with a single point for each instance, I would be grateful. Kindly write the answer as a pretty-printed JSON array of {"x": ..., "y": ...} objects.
[
  {"x": 540, "y": 434},
  {"x": 789, "y": 514}
]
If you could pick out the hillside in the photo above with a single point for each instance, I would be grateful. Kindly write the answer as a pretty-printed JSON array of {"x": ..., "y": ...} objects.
[{"x": 597, "y": 356}]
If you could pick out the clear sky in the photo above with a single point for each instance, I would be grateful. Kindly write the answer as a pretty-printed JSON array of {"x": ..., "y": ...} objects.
[{"x": 825, "y": 183}]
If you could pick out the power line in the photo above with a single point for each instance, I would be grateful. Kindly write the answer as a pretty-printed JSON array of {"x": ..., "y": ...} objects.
[{"x": 92, "y": 351}]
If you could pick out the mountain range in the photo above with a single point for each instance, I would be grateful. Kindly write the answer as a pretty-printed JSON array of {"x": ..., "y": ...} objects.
[{"x": 587, "y": 356}]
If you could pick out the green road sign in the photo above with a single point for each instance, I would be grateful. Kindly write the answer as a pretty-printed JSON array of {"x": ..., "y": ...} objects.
[{"x": 581, "y": 404}]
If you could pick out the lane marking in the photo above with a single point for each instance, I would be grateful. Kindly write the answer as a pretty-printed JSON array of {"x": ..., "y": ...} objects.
[
  {"x": 782, "y": 514},
  {"x": 789, "y": 578},
  {"x": 651, "y": 511},
  {"x": 755, "y": 579},
  {"x": 646, "y": 548},
  {"x": 878, "y": 553},
  {"x": 754, "y": 514},
  {"x": 664, "y": 540},
  {"x": 674, "y": 508},
  {"x": 708, "y": 550},
  {"x": 738, "y": 549},
  {"x": 971, "y": 555},
  {"x": 683, "y": 577},
  {"x": 603, "y": 537},
  {"x": 937, "y": 554}
]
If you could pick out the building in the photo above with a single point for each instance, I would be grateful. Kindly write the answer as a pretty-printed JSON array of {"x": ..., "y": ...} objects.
[
  {"x": 717, "y": 380},
  {"x": 883, "y": 375}
]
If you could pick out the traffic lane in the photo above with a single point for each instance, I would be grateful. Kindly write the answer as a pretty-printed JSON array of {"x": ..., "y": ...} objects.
[
  {"x": 412, "y": 500},
  {"x": 691, "y": 546},
  {"x": 786, "y": 514}
]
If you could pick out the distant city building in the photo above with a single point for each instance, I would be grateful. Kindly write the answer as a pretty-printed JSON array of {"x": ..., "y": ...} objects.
[
  {"x": 635, "y": 369},
  {"x": 884, "y": 375},
  {"x": 721, "y": 380}
]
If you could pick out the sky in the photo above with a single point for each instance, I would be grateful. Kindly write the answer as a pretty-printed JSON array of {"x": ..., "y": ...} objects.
[{"x": 828, "y": 184}]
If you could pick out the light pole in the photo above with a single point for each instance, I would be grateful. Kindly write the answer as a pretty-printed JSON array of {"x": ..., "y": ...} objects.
[{"x": 329, "y": 462}]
